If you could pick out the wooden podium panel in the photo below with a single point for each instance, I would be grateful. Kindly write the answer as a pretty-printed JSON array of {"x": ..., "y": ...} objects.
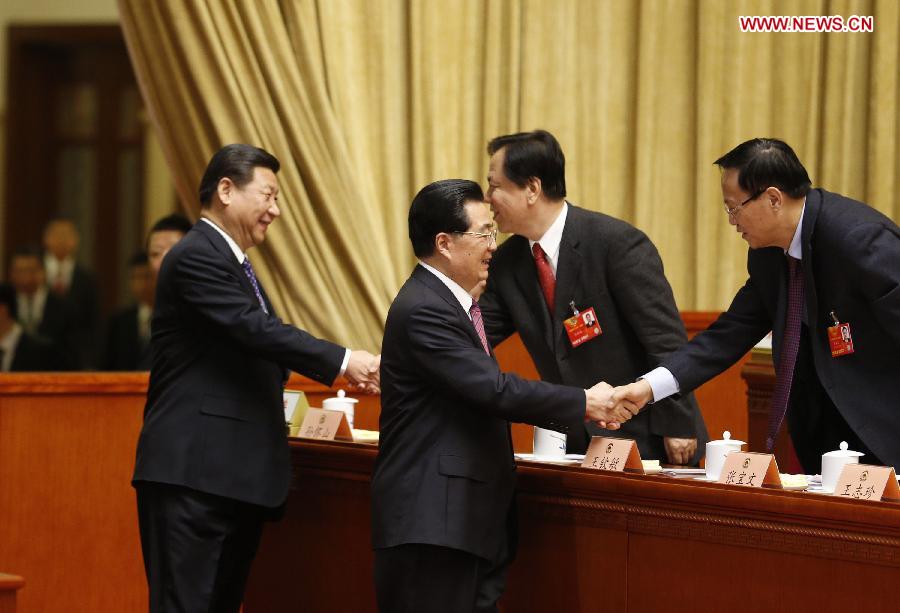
[{"x": 597, "y": 541}]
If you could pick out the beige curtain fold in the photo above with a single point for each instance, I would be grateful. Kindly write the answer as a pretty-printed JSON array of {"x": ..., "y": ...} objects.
[{"x": 365, "y": 101}]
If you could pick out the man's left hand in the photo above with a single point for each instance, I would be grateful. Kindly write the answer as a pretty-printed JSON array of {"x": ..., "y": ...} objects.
[{"x": 680, "y": 450}]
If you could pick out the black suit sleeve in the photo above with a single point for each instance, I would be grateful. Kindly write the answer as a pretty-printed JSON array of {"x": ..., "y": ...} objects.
[
  {"x": 732, "y": 335},
  {"x": 877, "y": 272},
  {"x": 450, "y": 361},
  {"x": 215, "y": 293}
]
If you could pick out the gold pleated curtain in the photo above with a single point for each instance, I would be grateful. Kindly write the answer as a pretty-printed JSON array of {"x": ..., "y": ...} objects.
[{"x": 365, "y": 101}]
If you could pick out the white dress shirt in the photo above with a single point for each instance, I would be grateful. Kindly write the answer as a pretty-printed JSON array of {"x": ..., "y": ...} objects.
[
  {"x": 464, "y": 297},
  {"x": 551, "y": 239},
  {"x": 8, "y": 345}
]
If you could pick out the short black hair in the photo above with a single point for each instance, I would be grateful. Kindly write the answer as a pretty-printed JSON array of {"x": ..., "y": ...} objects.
[
  {"x": 440, "y": 207},
  {"x": 28, "y": 251},
  {"x": 237, "y": 162},
  {"x": 533, "y": 154},
  {"x": 176, "y": 222},
  {"x": 767, "y": 162},
  {"x": 8, "y": 298}
]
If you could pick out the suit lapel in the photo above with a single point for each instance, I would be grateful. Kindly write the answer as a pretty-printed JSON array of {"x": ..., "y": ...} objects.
[
  {"x": 225, "y": 251},
  {"x": 568, "y": 268},
  {"x": 437, "y": 286}
]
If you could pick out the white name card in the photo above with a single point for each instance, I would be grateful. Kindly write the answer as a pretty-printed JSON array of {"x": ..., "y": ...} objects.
[
  {"x": 295, "y": 406},
  {"x": 615, "y": 454},
  {"x": 326, "y": 425},
  {"x": 750, "y": 470},
  {"x": 867, "y": 482}
]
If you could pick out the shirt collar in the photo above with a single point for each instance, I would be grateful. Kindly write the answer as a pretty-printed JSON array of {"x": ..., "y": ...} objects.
[
  {"x": 9, "y": 343},
  {"x": 464, "y": 297},
  {"x": 552, "y": 238},
  {"x": 795, "y": 249},
  {"x": 240, "y": 255}
]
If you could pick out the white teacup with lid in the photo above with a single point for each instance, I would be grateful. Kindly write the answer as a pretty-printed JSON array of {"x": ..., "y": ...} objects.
[
  {"x": 833, "y": 463},
  {"x": 716, "y": 452},
  {"x": 341, "y": 403}
]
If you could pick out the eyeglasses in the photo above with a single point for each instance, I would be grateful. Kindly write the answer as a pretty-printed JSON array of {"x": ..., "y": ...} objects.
[
  {"x": 492, "y": 235},
  {"x": 732, "y": 213}
]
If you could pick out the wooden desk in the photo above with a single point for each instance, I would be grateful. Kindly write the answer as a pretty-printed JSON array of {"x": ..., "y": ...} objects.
[{"x": 595, "y": 541}]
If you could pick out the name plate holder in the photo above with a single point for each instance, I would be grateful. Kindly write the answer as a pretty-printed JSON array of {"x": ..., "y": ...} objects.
[
  {"x": 614, "y": 454},
  {"x": 750, "y": 469},
  {"x": 325, "y": 425},
  {"x": 867, "y": 482},
  {"x": 295, "y": 407}
]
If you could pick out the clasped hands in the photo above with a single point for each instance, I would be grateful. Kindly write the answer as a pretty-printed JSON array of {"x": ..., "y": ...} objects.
[
  {"x": 364, "y": 372},
  {"x": 609, "y": 407}
]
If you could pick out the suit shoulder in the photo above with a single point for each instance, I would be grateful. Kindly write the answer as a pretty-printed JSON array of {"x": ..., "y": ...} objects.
[
  {"x": 511, "y": 250},
  {"x": 597, "y": 223},
  {"x": 843, "y": 215}
]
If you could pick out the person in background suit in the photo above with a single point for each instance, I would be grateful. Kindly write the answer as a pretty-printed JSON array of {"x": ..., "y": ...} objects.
[
  {"x": 163, "y": 235},
  {"x": 72, "y": 282},
  {"x": 20, "y": 351},
  {"x": 563, "y": 256},
  {"x": 41, "y": 313},
  {"x": 816, "y": 260},
  {"x": 128, "y": 330},
  {"x": 212, "y": 460},
  {"x": 443, "y": 517}
]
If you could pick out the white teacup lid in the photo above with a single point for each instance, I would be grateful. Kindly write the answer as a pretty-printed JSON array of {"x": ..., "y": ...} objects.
[
  {"x": 726, "y": 440},
  {"x": 342, "y": 396},
  {"x": 843, "y": 452}
]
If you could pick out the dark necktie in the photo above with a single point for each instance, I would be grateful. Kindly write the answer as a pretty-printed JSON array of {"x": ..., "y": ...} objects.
[
  {"x": 250, "y": 275},
  {"x": 478, "y": 322},
  {"x": 545, "y": 275},
  {"x": 790, "y": 344}
]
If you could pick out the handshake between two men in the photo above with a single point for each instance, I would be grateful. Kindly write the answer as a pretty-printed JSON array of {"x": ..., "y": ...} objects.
[
  {"x": 363, "y": 372},
  {"x": 609, "y": 407}
]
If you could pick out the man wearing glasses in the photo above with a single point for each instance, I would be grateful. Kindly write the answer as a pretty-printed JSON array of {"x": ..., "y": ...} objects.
[
  {"x": 443, "y": 514},
  {"x": 567, "y": 262},
  {"x": 824, "y": 276}
]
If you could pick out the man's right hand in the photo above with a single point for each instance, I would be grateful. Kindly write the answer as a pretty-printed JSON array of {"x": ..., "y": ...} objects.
[
  {"x": 363, "y": 372},
  {"x": 604, "y": 410},
  {"x": 638, "y": 394}
]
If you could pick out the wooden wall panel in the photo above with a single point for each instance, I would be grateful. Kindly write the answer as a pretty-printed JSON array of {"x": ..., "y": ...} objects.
[{"x": 67, "y": 512}]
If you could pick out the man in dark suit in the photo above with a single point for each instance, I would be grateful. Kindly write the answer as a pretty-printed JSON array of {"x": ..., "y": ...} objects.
[
  {"x": 128, "y": 330},
  {"x": 818, "y": 262},
  {"x": 72, "y": 282},
  {"x": 20, "y": 351},
  {"x": 41, "y": 313},
  {"x": 564, "y": 258},
  {"x": 212, "y": 459},
  {"x": 163, "y": 235},
  {"x": 443, "y": 518}
]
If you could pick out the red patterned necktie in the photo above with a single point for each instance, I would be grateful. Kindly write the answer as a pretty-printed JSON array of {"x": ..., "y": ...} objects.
[
  {"x": 790, "y": 344},
  {"x": 478, "y": 322},
  {"x": 545, "y": 275}
]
